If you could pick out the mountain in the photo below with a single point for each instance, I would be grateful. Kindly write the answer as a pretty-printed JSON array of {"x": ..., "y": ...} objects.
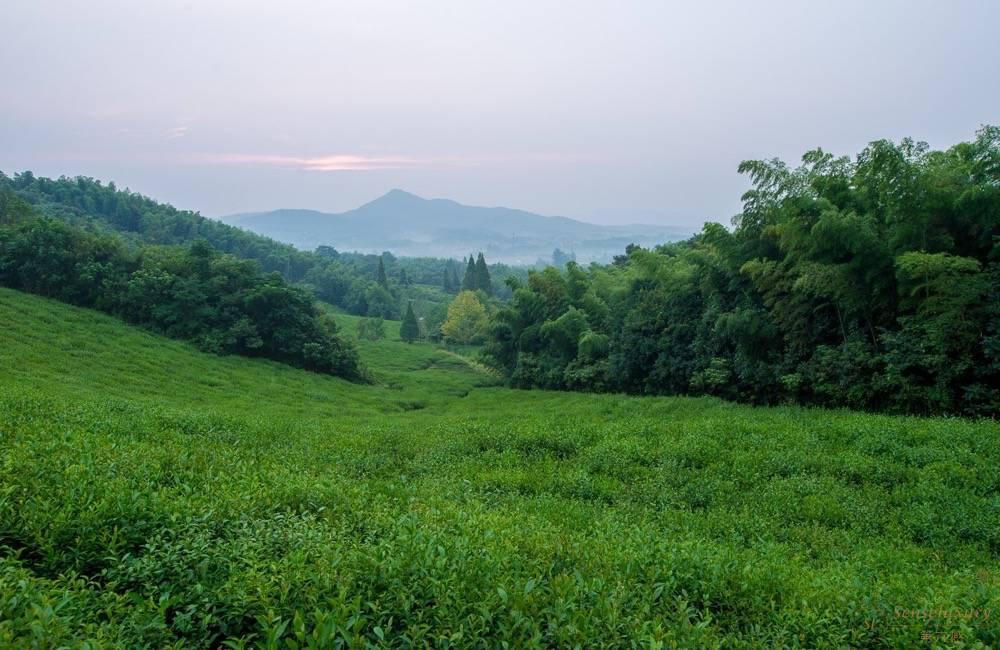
[{"x": 409, "y": 225}]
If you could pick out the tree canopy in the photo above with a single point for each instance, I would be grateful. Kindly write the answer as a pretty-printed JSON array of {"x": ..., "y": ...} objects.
[
  {"x": 409, "y": 329},
  {"x": 466, "y": 319},
  {"x": 870, "y": 283}
]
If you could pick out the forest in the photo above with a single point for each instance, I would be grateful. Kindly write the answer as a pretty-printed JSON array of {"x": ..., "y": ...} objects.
[{"x": 870, "y": 283}]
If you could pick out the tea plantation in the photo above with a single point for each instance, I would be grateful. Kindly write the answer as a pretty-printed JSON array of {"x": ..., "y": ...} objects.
[{"x": 155, "y": 496}]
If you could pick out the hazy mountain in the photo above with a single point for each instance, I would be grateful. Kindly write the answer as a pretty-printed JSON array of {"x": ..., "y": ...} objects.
[{"x": 409, "y": 225}]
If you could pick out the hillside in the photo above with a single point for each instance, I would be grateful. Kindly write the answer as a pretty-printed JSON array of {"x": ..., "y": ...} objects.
[
  {"x": 86, "y": 203},
  {"x": 409, "y": 225},
  {"x": 152, "y": 495}
]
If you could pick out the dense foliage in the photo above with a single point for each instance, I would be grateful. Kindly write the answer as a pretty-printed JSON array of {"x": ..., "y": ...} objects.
[
  {"x": 256, "y": 505},
  {"x": 872, "y": 284},
  {"x": 466, "y": 320},
  {"x": 195, "y": 293}
]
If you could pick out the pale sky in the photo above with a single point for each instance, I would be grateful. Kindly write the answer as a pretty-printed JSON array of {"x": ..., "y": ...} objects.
[{"x": 611, "y": 111}]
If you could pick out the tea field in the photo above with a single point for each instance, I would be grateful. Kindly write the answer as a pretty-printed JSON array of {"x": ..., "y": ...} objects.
[{"x": 155, "y": 496}]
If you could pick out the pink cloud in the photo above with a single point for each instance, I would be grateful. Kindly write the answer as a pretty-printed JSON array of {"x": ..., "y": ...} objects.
[
  {"x": 337, "y": 163},
  {"x": 352, "y": 162}
]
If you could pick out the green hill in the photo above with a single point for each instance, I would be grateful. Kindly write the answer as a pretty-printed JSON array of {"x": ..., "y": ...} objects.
[{"x": 155, "y": 496}]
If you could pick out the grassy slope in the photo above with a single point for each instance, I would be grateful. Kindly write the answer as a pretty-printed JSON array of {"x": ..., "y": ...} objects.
[{"x": 156, "y": 495}]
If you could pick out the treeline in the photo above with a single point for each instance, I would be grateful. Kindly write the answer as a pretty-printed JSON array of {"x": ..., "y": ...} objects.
[
  {"x": 195, "y": 293},
  {"x": 450, "y": 275},
  {"x": 870, "y": 283}
]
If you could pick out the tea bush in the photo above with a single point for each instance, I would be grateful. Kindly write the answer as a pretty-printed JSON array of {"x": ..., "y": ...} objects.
[{"x": 155, "y": 496}]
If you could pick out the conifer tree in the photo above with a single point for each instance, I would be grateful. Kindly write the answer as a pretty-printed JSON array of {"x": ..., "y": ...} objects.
[
  {"x": 409, "y": 330},
  {"x": 471, "y": 280},
  {"x": 380, "y": 275},
  {"x": 446, "y": 283},
  {"x": 483, "y": 275},
  {"x": 455, "y": 284}
]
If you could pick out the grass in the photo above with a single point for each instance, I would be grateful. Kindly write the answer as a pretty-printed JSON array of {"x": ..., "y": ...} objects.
[{"x": 155, "y": 496}]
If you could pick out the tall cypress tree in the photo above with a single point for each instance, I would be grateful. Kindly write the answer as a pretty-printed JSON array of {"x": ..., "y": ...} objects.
[
  {"x": 409, "y": 329},
  {"x": 446, "y": 283},
  {"x": 471, "y": 280},
  {"x": 455, "y": 283},
  {"x": 380, "y": 275},
  {"x": 483, "y": 275}
]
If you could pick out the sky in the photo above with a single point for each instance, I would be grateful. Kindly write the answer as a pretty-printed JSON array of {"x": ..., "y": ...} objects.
[{"x": 612, "y": 112}]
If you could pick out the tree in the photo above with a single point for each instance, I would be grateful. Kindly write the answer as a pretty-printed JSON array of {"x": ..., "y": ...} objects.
[
  {"x": 327, "y": 252},
  {"x": 483, "y": 281},
  {"x": 466, "y": 319},
  {"x": 471, "y": 280},
  {"x": 560, "y": 259},
  {"x": 371, "y": 329},
  {"x": 446, "y": 284},
  {"x": 409, "y": 330},
  {"x": 380, "y": 275}
]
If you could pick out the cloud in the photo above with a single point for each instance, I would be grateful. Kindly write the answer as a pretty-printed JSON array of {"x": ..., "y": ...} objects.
[
  {"x": 352, "y": 162},
  {"x": 176, "y": 132},
  {"x": 335, "y": 163}
]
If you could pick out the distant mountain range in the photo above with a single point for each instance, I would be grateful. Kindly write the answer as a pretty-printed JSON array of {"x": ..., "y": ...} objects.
[{"x": 411, "y": 226}]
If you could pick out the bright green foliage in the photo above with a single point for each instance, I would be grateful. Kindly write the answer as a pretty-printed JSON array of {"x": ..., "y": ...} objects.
[
  {"x": 154, "y": 496},
  {"x": 869, "y": 283},
  {"x": 466, "y": 319},
  {"x": 409, "y": 329}
]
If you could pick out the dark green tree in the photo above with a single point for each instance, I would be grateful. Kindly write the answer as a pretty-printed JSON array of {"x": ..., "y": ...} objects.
[
  {"x": 471, "y": 280},
  {"x": 380, "y": 277},
  {"x": 409, "y": 329},
  {"x": 483, "y": 281}
]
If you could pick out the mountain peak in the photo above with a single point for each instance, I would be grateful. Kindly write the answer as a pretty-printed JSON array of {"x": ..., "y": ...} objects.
[
  {"x": 394, "y": 199},
  {"x": 396, "y": 193},
  {"x": 410, "y": 225}
]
